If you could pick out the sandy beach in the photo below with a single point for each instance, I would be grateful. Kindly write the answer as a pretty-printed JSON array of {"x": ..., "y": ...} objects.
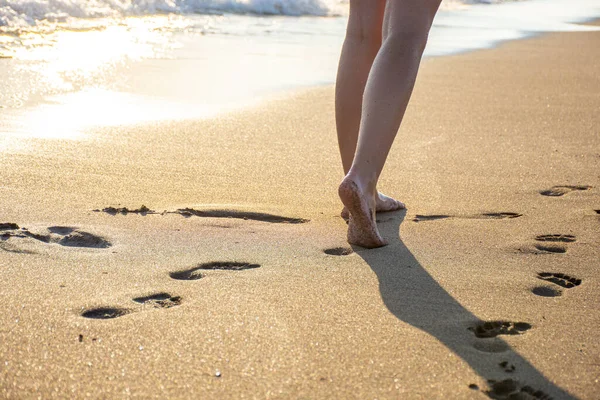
[{"x": 235, "y": 280}]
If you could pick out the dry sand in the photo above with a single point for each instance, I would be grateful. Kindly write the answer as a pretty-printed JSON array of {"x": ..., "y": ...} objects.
[{"x": 484, "y": 134}]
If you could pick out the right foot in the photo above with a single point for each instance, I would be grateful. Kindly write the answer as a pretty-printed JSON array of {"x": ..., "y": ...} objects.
[{"x": 362, "y": 228}]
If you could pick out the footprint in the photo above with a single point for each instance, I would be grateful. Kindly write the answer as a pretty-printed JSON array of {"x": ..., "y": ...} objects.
[
  {"x": 555, "y": 238},
  {"x": 551, "y": 248},
  {"x": 105, "y": 312},
  {"x": 511, "y": 389},
  {"x": 560, "y": 279},
  {"x": 62, "y": 235},
  {"x": 84, "y": 239},
  {"x": 492, "y": 329},
  {"x": 143, "y": 210},
  {"x": 8, "y": 226},
  {"x": 187, "y": 275},
  {"x": 491, "y": 215},
  {"x": 498, "y": 215},
  {"x": 562, "y": 190},
  {"x": 61, "y": 230},
  {"x": 338, "y": 251},
  {"x": 159, "y": 300},
  {"x": 546, "y": 291},
  {"x": 419, "y": 217},
  {"x": 510, "y": 368},
  {"x": 194, "y": 273},
  {"x": 493, "y": 345},
  {"x": 256, "y": 216}
]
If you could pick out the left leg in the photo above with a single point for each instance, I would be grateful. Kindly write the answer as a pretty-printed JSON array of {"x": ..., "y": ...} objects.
[{"x": 362, "y": 42}]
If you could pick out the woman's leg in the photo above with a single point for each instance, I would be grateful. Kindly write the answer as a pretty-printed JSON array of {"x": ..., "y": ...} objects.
[
  {"x": 363, "y": 40},
  {"x": 386, "y": 94}
]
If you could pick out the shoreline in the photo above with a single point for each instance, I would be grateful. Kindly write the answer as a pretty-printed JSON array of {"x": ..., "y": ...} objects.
[
  {"x": 190, "y": 94},
  {"x": 484, "y": 134}
]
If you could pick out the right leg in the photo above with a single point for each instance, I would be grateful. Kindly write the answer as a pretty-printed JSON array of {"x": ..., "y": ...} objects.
[{"x": 388, "y": 89}]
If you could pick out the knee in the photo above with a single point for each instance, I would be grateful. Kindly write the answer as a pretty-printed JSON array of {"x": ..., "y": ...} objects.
[
  {"x": 364, "y": 35},
  {"x": 412, "y": 38}
]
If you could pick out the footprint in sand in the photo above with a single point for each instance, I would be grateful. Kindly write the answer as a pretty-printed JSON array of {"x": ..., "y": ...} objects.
[
  {"x": 338, "y": 251},
  {"x": 156, "y": 300},
  {"x": 63, "y": 235},
  {"x": 105, "y": 312},
  {"x": 216, "y": 213},
  {"x": 246, "y": 215},
  {"x": 491, "y": 215},
  {"x": 560, "y": 279},
  {"x": 143, "y": 210},
  {"x": 510, "y": 389},
  {"x": 433, "y": 217},
  {"x": 195, "y": 272},
  {"x": 550, "y": 248},
  {"x": 556, "y": 238},
  {"x": 159, "y": 300},
  {"x": 507, "y": 367},
  {"x": 546, "y": 291},
  {"x": 490, "y": 329},
  {"x": 548, "y": 244},
  {"x": 4, "y": 226},
  {"x": 557, "y": 278},
  {"x": 555, "y": 191},
  {"x": 491, "y": 345}
]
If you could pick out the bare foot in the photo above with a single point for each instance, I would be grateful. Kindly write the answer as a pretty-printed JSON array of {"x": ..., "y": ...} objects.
[
  {"x": 362, "y": 229},
  {"x": 383, "y": 203}
]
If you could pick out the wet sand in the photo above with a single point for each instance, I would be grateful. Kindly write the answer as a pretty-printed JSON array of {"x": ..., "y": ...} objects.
[{"x": 235, "y": 280}]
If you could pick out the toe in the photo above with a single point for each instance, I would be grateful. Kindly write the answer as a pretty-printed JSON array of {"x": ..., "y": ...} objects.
[{"x": 345, "y": 214}]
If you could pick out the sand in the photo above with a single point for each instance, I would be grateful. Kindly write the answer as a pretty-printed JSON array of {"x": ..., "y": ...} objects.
[{"x": 252, "y": 306}]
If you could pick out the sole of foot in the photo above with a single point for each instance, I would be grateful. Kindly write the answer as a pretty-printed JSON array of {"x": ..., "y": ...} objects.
[{"x": 362, "y": 228}]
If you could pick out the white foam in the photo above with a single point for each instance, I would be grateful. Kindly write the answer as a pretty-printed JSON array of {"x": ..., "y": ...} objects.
[
  {"x": 21, "y": 13},
  {"x": 24, "y": 13}
]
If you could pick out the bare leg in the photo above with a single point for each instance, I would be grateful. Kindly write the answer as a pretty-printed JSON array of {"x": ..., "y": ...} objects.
[
  {"x": 386, "y": 96},
  {"x": 363, "y": 40}
]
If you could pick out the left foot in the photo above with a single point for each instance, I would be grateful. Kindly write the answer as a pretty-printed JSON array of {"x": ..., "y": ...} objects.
[
  {"x": 362, "y": 228},
  {"x": 383, "y": 203}
]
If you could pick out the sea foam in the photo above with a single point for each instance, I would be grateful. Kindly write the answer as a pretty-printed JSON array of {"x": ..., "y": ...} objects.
[{"x": 20, "y": 14}]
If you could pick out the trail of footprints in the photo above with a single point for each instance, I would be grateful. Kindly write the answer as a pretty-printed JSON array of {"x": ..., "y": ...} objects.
[
  {"x": 557, "y": 278},
  {"x": 504, "y": 389},
  {"x": 165, "y": 300},
  {"x": 548, "y": 244}
]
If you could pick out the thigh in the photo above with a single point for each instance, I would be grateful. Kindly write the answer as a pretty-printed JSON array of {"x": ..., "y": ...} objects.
[
  {"x": 366, "y": 18},
  {"x": 414, "y": 16}
]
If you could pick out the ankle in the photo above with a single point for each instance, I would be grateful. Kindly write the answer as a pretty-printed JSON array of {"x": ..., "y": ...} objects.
[{"x": 366, "y": 184}]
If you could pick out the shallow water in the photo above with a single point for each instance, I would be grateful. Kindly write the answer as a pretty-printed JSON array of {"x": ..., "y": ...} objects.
[{"x": 62, "y": 75}]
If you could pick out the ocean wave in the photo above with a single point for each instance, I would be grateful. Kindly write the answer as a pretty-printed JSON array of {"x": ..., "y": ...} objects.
[
  {"x": 28, "y": 13},
  {"x": 22, "y": 13}
]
